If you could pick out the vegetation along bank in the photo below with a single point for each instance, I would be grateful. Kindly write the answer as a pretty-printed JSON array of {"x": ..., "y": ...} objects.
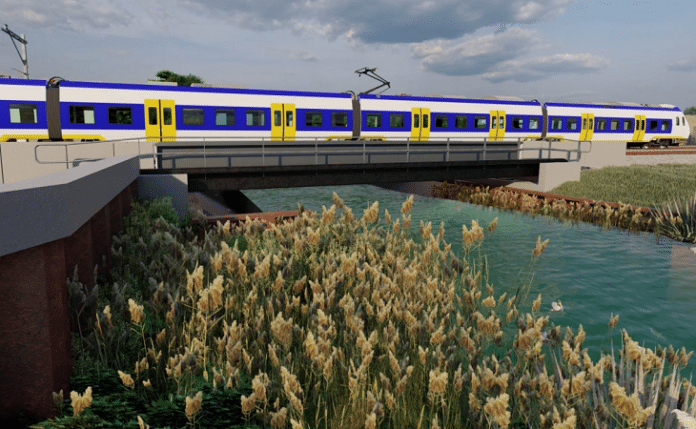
[
  {"x": 659, "y": 198},
  {"x": 334, "y": 320}
]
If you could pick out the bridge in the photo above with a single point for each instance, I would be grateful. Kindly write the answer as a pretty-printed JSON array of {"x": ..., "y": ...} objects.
[
  {"x": 221, "y": 168},
  {"x": 232, "y": 165}
]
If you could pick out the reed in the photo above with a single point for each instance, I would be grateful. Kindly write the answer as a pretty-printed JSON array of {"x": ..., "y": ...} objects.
[{"x": 330, "y": 321}]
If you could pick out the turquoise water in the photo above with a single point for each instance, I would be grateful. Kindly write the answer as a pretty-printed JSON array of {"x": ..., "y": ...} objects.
[{"x": 649, "y": 282}]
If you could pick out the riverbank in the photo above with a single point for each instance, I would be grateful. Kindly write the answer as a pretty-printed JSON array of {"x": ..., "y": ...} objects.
[{"x": 344, "y": 321}]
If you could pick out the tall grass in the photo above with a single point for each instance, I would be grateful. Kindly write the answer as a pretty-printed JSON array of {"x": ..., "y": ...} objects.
[
  {"x": 340, "y": 322},
  {"x": 639, "y": 185}
]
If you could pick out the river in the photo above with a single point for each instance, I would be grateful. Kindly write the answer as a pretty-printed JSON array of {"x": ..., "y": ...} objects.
[{"x": 649, "y": 282}]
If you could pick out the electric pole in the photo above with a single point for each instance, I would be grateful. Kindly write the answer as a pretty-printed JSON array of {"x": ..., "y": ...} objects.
[{"x": 23, "y": 53}]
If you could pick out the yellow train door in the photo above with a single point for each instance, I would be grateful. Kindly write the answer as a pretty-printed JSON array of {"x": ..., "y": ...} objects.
[
  {"x": 639, "y": 132},
  {"x": 160, "y": 121},
  {"x": 587, "y": 131},
  {"x": 420, "y": 124},
  {"x": 283, "y": 125},
  {"x": 497, "y": 126}
]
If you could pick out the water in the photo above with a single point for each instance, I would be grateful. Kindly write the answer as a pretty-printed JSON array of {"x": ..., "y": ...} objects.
[{"x": 649, "y": 282}]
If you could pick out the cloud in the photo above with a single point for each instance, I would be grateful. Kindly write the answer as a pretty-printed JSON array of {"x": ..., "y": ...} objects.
[
  {"x": 475, "y": 55},
  {"x": 66, "y": 14},
  {"x": 379, "y": 21},
  {"x": 544, "y": 67},
  {"x": 686, "y": 65},
  {"x": 304, "y": 55}
]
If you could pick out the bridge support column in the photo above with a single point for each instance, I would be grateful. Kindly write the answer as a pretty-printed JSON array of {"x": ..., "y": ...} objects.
[{"x": 551, "y": 175}]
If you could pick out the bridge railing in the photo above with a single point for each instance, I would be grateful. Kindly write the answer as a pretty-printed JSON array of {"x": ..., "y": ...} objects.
[{"x": 414, "y": 150}]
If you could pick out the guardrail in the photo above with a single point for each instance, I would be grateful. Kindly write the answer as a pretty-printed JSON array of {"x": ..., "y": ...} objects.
[
  {"x": 77, "y": 161},
  {"x": 318, "y": 147}
]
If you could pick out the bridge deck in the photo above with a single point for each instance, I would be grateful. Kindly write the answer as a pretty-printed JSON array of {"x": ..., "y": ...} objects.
[{"x": 212, "y": 166}]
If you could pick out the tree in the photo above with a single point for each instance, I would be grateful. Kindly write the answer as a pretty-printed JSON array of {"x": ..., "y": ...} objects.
[
  {"x": 690, "y": 110},
  {"x": 181, "y": 80}
]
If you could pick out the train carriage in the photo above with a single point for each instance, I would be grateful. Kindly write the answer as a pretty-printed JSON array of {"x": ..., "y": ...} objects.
[
  {"x": 635, "y": 124},
  {"x": 22, "y": 110},
  {"x": 441, "y": 118},
  {"x": 163, "y": 113}
]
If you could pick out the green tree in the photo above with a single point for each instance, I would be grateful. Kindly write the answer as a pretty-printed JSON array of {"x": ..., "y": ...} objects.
[
  {"x": 690, "y": 110},
  {"x": 181, "y": 80}
]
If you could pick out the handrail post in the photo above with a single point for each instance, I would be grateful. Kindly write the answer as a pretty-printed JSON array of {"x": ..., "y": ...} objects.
[{"x": 67, "y": 163}]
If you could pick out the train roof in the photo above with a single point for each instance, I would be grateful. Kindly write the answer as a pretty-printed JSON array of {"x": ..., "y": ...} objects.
[
  {"x": 454, "y": 99},
  {"x": 205, "y": 89},
  {"x": 616, "y": 105}
]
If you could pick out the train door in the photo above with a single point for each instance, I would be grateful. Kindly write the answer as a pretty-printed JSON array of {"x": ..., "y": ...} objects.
[
  {"x": 420, "y": 124},
  {"x": 587, "y": 130},
  {"x": 160, "y": 123},
  {"x": 497, "y": 126},
  {"x": 639, "y": 133},
  {"x": 283, "y": 126}
]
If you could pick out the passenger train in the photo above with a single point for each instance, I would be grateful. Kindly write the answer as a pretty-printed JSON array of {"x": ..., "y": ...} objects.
[{"x": 60, "y": 110}]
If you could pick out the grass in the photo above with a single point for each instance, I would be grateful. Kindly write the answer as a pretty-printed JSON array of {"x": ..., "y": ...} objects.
[
  {"x": 333, "y": 321},
  {"x": 639, "y": 185}
]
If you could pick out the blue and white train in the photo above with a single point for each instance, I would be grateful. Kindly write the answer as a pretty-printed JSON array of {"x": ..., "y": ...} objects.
[{"x": 60, "y": 110}]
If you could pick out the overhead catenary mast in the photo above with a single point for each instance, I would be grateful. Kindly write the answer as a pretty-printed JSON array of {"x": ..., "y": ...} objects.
[{"x": 23, "y": 53}]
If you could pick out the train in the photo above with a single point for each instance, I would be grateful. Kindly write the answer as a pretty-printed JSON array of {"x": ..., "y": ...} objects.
[{"x": 64, "y": 110}]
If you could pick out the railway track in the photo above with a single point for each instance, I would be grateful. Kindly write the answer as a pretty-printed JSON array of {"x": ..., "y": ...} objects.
[{"x": 676, "y": 150}]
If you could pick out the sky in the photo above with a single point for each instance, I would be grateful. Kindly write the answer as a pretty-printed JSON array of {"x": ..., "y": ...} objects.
[{"x": 548, "y": 50}]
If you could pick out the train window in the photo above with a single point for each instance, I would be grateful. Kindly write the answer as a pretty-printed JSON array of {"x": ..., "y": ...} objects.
[
  {"x": 533, "y": 123},
  {"x": 572, "y": 124},
  {"x": 440, "y": 121},
  {"x": 601, "y": 124},
  {"x": 193, "y": 116},
  {"x": 396, "y": 120},
  {"x": 81, "y": 114},
  {"x": 460, "y": 122},
  {"x": 374, "y": 120},
  {"x": 416, "y": 121},
  {"x": 614, "y": 124},
  {"x": 653, "y": 125},
  {"x": 277, "y": 118},
  {"x": 288, "y": 118},
  {"x": 224, "y": 117},
  {"x": 120, "y": 115},
  {"x": 152, "y": 115},
  {"x": 481, "y": 122},
  {"x": 665, "y": 126},
  {"x": 677, "y": 120},
  {"x": 255, "y": 118},
  {"x": 425, "y": 121},
  {"x": 313, "y": 119},
  {"x": 556, "y": 123},
  {"x": 167, "y": 116},
  {"x": 23, "y": 113},
  {"x": 517, "y": 123},
  {"x": 628, "y": 125},
  {"x": 339, "y": 119}
]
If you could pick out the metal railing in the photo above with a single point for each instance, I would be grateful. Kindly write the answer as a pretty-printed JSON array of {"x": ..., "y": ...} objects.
[{"x": 268, "y": 147}]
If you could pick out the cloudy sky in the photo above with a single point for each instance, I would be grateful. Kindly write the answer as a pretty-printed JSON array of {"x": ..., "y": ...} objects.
[{"x": 550, "y": 50}]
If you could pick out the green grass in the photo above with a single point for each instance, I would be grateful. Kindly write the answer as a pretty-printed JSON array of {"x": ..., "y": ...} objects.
[{"x": 640, "y": 185}]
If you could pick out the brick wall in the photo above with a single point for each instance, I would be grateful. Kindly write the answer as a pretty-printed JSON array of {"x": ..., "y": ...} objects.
[{"x": 36, "y": 258}]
